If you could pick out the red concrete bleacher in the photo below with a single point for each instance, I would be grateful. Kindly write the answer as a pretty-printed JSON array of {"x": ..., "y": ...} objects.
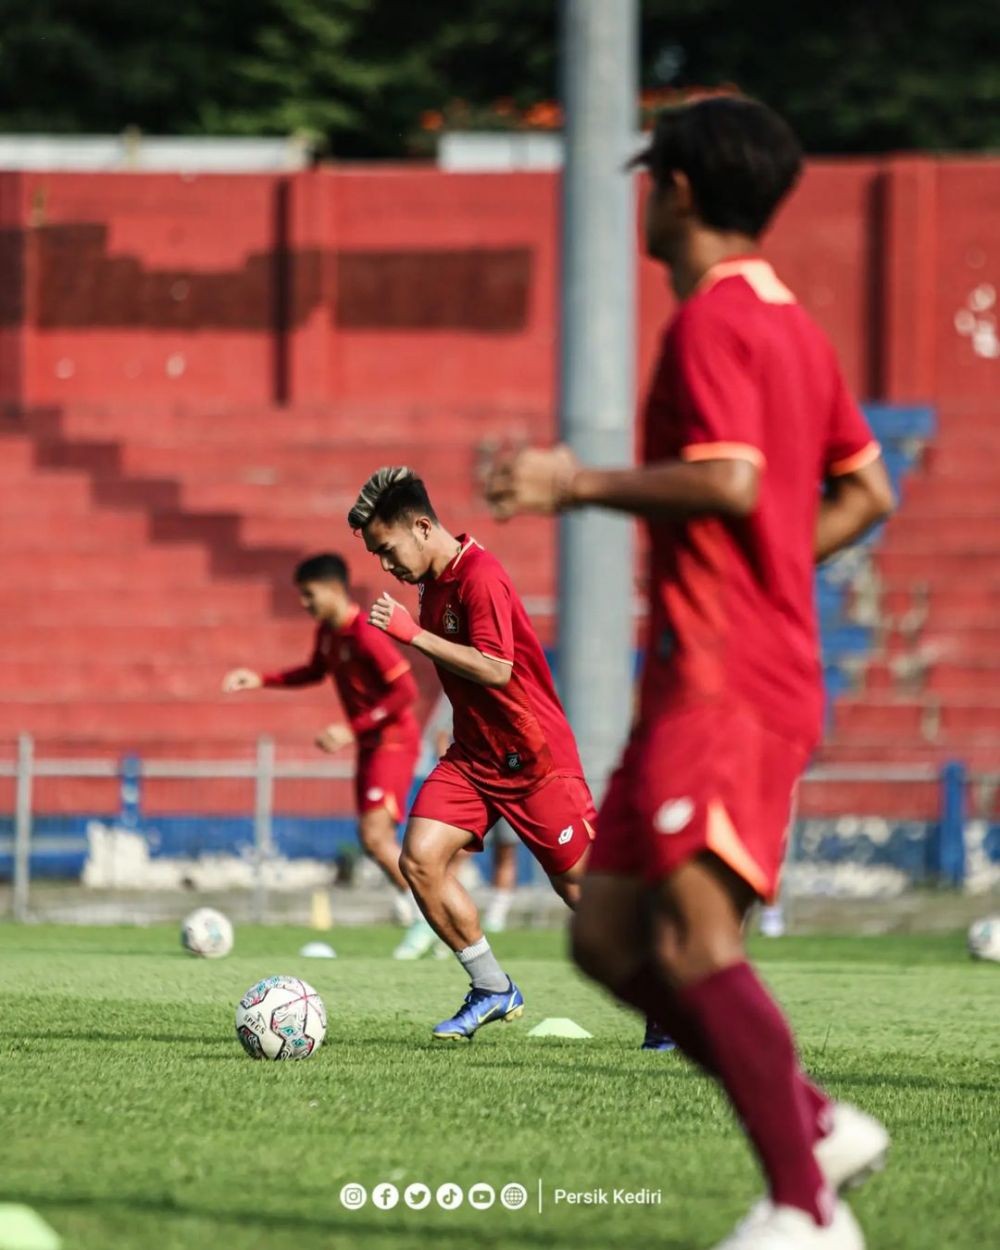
[
  {"x": 150, "y": 560},
  {"x": 931, "y": 690}
]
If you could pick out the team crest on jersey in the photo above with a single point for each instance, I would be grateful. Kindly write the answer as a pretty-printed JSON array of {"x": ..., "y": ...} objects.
[
  {"x": 450, "y": 620},
  {"x": 326, "y": 644},
  {"x": 345, "y": 652}
]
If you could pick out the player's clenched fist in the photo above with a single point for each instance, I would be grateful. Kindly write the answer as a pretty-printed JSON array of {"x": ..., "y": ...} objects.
[
  {"x": 388, "y": 615},
  {"x": 241, "y": 679},
  {"x": 530, "y": 480},
  {"x": 334, "y": 738}
]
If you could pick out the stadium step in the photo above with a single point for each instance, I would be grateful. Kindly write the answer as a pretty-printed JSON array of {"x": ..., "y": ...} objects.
[
  {"x": 876, "y": 719},
  {"x": 920, "y": 564},
  {"x": 176, "y": 565},
  {"x": 154, "y": 676},
  {"x": 257, "y": 642},
  {"x": 903, "y": 800},
  {"x": 88, "y": 530},
  {"x": 944, "y": 533},
  {"x": 69, "y": 607}
]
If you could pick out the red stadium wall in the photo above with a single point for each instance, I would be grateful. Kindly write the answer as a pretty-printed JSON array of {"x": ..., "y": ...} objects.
[
  {"x": 197, "y": 373},
  {"x": 399, "y": 293}
]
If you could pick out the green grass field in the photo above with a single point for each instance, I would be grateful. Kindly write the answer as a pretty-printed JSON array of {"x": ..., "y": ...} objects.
[{"x": 131, "y": 1118}]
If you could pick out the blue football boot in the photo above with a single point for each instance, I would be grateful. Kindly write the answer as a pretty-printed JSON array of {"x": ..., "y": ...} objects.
[
  {"x": 656, "y": 1038},
  {"x": 481, "y": 1007}
]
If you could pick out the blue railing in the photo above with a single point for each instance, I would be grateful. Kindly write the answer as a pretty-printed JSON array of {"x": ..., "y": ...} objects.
[{"x": 925, "y": 850}]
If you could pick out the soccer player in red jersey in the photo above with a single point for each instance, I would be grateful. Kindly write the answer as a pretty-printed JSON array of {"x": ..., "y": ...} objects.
[
  {"x": 377, "y": 692},
  {"x": 513, "y": 753},
  {"x": 757, "y": 464}
]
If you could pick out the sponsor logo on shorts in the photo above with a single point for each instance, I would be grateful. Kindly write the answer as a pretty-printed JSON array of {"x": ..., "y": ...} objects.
[
  {"x": 374, "y": 794},
  {"x": 673, "y": 816},
  {"x": 565, "y": 836},
  {"x": 513, "y": 761}
]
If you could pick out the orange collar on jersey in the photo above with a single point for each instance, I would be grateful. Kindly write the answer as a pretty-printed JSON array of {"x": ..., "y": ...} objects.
[
  {"x": 466, "y": 541},
  {"x": 757, "y": 272}
]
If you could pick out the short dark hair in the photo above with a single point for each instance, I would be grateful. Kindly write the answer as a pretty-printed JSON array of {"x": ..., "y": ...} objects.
[
  {"x": 391, "y": 494},
  {"x": 739, "y": 156},
  {"x": 325, "y": 567}
]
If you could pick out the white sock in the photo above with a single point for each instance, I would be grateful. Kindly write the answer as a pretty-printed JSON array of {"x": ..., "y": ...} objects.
[{"x": 482, "y": 968}]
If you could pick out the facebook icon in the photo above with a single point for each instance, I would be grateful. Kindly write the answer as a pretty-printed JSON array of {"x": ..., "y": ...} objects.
[{"x": 385, "y": 1195}]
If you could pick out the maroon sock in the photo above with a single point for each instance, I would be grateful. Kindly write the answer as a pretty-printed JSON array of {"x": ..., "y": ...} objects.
[
  {"x": 754, "y": 1059},
  {"x": 647, "y": 992},
  {"x": 650, "y": 994},
  {"x": 819, "y": 1108}
]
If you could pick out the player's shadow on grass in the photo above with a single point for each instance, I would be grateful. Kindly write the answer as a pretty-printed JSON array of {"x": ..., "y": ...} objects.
[
  {"x": 403, "y": 1227},
  {"x": 909, "y": 1081},
  {"x": 659, "y": 1065}
]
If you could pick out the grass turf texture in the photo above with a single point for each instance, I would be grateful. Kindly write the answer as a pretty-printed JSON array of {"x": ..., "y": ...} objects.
[{"x": 131, "y": 1118}]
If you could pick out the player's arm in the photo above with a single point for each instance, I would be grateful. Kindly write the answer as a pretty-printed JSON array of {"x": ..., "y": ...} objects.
[
  {"x": 672, "y": 488},
  {"x": 248, "y": 679},
  {"x": 308, "y": 674},
  {"x": 465, "y": 661},
  {"x": 392, "y": 618},
  {"x": 856, "y": 488},
  {"x": 303, "y": 675},
  {"x": 548, "y": 481},
  {"x": 852, "y": 503}
]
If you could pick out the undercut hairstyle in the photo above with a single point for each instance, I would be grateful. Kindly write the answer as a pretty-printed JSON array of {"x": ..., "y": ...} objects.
[
  {"x": 392, "y": 493},
  {"x": 739, "y": 156},
  {"x": 325, "y": 567}
]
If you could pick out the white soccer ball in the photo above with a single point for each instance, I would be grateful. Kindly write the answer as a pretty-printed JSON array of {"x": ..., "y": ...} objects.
[
  {"x": 281, "y": 1018},
  {"x": 984, "y": 939},
  {"x": 207, "y": 932}
]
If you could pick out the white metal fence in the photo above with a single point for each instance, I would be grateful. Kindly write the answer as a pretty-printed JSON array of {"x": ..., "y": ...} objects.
[{"x": 279, "y": 823}]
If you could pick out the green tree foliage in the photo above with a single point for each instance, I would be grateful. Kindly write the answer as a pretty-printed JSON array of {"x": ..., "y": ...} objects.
[
  {"x": 857, "y": 76},
  {"x": 863, "y": 75}
]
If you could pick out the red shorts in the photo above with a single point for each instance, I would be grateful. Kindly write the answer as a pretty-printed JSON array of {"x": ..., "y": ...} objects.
[
  {"x": 555, "y": 821},
  {"x": 384, "y": 775},
  {"x": 706, "y": 777}
]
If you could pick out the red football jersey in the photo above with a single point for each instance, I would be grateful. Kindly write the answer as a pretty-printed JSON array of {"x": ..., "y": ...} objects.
[
  {"x": 506, "y": 739},
  {"x": 745, "y": 373},
  {"x": 373, "y": 680}
]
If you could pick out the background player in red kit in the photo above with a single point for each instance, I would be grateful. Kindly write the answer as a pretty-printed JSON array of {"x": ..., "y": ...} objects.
[
  {"x": 513, "y": 753},
  {"x": 757, "y": 463},
  {"x": 377, "y": 692}
]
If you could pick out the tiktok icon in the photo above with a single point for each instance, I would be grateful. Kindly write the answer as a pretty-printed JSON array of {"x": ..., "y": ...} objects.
[{"x": 449, "y": 1197}]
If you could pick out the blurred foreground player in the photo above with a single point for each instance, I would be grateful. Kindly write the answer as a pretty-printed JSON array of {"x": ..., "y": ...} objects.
[
  {"x": 756, "y": 464},
  {"x": 513, "y": 753},
  {"x": 377, "y": 692}
]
